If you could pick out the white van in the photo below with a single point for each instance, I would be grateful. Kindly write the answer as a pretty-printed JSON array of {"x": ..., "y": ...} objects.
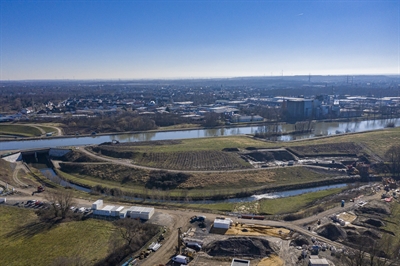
[{"x": 181, "y": 259}]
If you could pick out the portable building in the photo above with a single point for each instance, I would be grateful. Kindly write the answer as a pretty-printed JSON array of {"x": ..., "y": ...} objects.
[
  {"x": 222, "y": 223},
  {"x": 116, "y": 210},
  {"x": 106, "y": 211},
  {"x": 318, "y": 262},
  {"x": 122, "y": 214},
  {"x": 143, "y": 213},
  {"x": 98, "y": 204}
]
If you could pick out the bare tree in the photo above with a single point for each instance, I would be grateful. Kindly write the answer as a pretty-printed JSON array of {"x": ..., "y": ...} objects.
[
  {"x": 129, "y": 230},
  {"x": 393, "y": 156},
  {"x": 61, "y": 201}
]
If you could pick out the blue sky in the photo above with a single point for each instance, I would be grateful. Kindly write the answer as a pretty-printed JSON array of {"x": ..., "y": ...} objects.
[{"x": 190, "y": 39}]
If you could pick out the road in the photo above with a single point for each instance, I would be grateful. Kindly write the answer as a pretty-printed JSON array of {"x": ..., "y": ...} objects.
[{"x": 180, "y": 218}]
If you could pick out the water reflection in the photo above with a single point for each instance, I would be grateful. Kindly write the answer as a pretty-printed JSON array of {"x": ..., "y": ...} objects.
[{"x": 320, "y": 129}]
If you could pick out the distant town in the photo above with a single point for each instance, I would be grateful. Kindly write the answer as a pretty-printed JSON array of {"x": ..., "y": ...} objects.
[{"x": 208, "y": 102}]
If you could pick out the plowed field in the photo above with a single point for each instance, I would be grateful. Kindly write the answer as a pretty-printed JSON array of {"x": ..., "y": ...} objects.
[{"x": 194, "y": 160}]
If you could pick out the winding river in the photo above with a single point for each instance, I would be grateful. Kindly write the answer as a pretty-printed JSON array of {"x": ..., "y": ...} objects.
[{"x": 320, "y": 129}]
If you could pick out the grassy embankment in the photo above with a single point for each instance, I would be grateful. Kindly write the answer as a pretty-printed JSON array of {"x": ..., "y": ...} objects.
[
  {"x": 377, "y": 141},
  {"x": 199, "y": 185},
  {"x": 27, "y": 241},
  {"x": 267, "y": 206},
  {"x": 391, "y": 243},
  {"x": 19, "y": 131}
]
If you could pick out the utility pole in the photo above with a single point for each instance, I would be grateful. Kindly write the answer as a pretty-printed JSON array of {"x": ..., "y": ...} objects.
[{"x": 179, "y": 240}]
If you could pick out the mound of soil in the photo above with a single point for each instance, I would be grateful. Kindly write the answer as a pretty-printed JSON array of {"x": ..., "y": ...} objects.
[
  {"x": 78, "y": 157},
  {"x": 230, "y": 149},
  {"x": 266, "y": 156},
  {"x": 332, "y": 232},
  {"x": 376, "y": 208},
  {"x": 361, "y": 241},
  {"x": 261, "y": 156},
  {"x": 300, "y": 240},
  {"x": 374, "y": 222},
  {"x": 240, "y": 246}
]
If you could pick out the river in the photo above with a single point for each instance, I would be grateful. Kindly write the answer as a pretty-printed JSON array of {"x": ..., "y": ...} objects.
[{"x": 320, "y": 129}]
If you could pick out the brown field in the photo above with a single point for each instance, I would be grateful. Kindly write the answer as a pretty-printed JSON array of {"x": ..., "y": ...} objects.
[
  {"x": 107, "y": 172},
  {"x": 193, "y": 160}
]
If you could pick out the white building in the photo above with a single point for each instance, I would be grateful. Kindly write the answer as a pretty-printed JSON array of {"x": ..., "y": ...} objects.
[
  {"x": 222, "y": 223},
  {"x": 116, "y": 211},
  {"x": 98, "y": 204},
  {"x": 143, "y": 213},
  {"x": 106, "y": 211}
]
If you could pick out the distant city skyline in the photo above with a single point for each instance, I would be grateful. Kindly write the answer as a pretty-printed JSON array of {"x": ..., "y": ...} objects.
[{"x": 197, "y": 39}]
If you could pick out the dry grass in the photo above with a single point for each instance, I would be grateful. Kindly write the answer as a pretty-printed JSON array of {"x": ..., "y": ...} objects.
[{"x": 27, "y": 241}]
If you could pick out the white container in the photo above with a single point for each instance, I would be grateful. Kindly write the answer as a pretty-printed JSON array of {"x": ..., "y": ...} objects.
[
  {"x": 116, "y": 210},
  {"x": 222, "y": 223},
  {"x": 98, "y": 204}
]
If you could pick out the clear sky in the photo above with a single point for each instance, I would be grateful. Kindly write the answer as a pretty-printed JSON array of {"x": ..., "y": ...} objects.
[{"x": 189, "y": 39}]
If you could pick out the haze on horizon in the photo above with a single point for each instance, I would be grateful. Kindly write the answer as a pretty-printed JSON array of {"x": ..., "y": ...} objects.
[{"x": 197, "y": 39}]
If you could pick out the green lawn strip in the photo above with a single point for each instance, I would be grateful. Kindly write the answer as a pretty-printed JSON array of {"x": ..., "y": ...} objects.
[
  {"x": 204, "y": 144},
  {"x": 21, "y": 246},
  {"x": 295, "y": 203},
  {"x": 19, "y": 130}
]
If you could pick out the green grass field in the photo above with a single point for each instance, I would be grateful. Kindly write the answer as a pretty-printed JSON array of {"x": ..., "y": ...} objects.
[
  {"x": 19, "y": 130},
  {"x": 294, "y": 204},
  {"x": 266, "y": 206},
  {"x": 27, "y": 241}
]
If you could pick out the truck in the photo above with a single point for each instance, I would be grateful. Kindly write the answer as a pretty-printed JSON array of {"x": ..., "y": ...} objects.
[
  {"x": 180, "y": 259},
  {"x": 196, "y": 218}
]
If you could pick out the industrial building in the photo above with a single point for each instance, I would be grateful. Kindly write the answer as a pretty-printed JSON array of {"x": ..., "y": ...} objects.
[
  {"x": 140, "y": 213},
  {"x": 134, "y": 212}
]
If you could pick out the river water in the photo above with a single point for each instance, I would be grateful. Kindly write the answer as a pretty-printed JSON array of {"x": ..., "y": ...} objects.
[
  {"x": 320, "y": 129},
  {"x": 51, "y": 175}
]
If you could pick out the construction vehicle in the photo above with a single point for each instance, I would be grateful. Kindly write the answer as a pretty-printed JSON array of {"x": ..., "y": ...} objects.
[{"x": 197, "y": 218}]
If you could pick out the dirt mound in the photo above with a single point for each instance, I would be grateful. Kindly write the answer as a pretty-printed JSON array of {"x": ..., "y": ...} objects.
[
  {"x": 240, "y": 246},
  {"x": 375, "y": 207},
  {"x": 261, "y": 156},
  {"x": 361, "y": 241},
  {"x": 300, "y": 240},
  {"x": 270, "y": 155},
  {"x": 78, "y": 157},
  {"x": 230, "y": 149},
  {"x": 374, "y": 222},
  {"x": 332, "y": 232}
]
